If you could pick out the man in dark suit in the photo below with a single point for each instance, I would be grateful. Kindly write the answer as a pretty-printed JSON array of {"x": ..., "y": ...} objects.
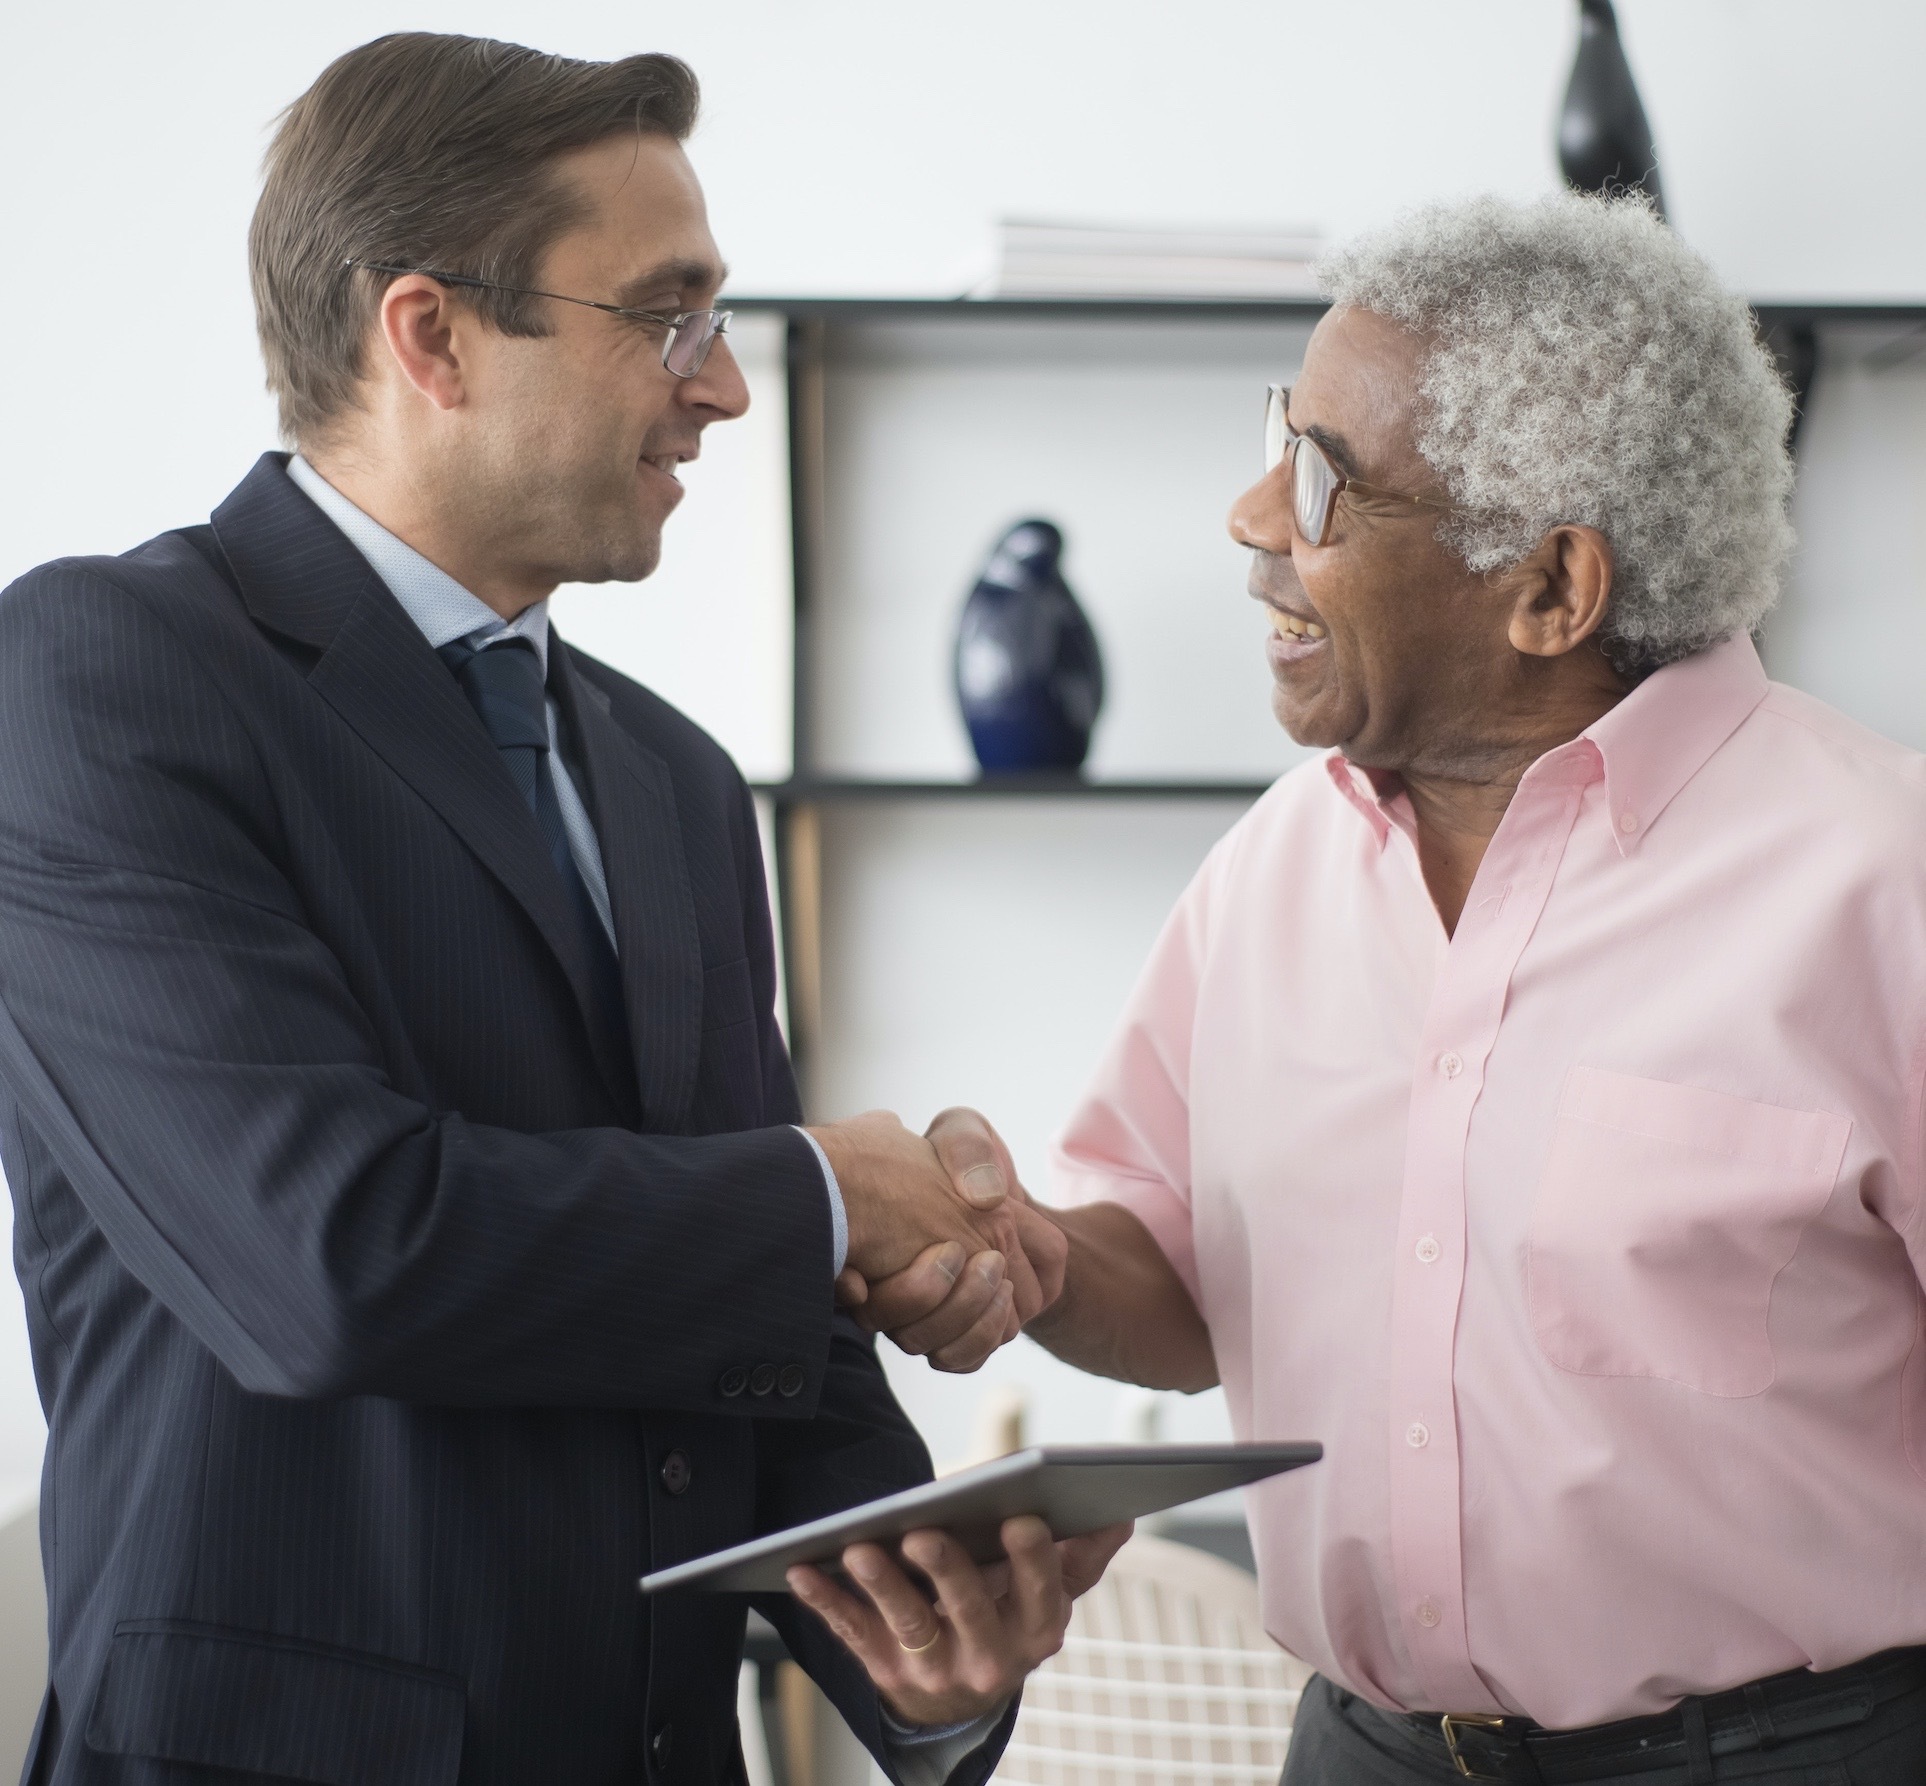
[{"x": 418, "y": 1240}]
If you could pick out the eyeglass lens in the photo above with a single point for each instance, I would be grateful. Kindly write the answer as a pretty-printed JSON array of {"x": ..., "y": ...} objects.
[
  {"x": 1277, "y": 430},
  {"x": 690, "y": 340},
  {"x": 1313, "y": 481}
]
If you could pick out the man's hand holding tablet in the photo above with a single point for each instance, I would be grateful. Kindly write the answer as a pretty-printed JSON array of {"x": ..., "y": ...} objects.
[
  {"x": 990, "y": 1625},
  {"x": 951, "y": 1592}
]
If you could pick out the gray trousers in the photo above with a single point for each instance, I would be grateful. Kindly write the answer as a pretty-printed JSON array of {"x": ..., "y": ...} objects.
[{"x": 1341, "y": 1740}]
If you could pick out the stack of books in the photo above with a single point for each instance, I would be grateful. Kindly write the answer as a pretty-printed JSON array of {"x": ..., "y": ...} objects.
[{"x": 1069, "y": 260}]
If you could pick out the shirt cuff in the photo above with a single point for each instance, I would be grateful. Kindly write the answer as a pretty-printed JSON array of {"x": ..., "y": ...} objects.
[
  {"x": 926, "y": 1755},
  {"x": 838, "y": 1217}
]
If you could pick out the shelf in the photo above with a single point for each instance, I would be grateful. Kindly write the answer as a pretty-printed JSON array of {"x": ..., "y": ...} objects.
[
  {"x": 1769, "y": 310},
  {"x": 1032, "y": 309},
  {"x": 1050, "y": 784}
]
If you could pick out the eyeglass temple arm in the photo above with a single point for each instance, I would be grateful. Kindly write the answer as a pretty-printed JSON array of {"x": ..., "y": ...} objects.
[
  {"x": 434, "y": 273},
  {"x": 1347, "y": 485},
  {"x": 520, "y": 291}
]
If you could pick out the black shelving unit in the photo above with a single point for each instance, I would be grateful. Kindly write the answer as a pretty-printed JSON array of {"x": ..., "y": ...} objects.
[{"x": 1794, "y": 330}]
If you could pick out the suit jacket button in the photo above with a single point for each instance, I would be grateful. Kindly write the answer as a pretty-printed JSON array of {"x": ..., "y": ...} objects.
[
  {"x": 676, "y": 1472},
  {"x": 661, "y": 1743},
  {"x": 762, "y": 1379},
  {"x": 733, "y": 1381},
  {"x": 792, "y": 1379}
]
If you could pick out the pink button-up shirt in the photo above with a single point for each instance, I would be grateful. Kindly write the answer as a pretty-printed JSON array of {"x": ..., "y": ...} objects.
[{"x": 1588, "y": 1240}]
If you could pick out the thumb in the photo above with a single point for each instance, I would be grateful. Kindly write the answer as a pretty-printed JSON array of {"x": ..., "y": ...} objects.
[{"x": 973, "y": 1155}]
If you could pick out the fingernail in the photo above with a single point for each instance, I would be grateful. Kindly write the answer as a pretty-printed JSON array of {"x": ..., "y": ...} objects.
[
  {"x": 866, "y": 1566},
  {"x": 991, "y": 1268},
  {"x": 949, "y": 1261},
  {"x": 984, "y": 1184}
]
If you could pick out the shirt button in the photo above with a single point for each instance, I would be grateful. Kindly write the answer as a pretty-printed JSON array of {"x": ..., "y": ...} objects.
[
  {"x": 1451, "y": 1063},
  {"x": 1628, "y": 822},
  {"x": 676, "y": 1472},
  {"x": 1417, "y": 1435},
  {"x": 1427, "y": 1613},
  {"x": 662, "y": 1744},
  {"x": 1428, "y": 1249},
  {"x": 792, "y": 1381},
  {"x": 733, "y": 1381},
  {"x": 762, "y": 1379}
]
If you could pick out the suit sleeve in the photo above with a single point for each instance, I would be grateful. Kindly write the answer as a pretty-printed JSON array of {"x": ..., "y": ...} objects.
[{"x": 192, "y": 1055}]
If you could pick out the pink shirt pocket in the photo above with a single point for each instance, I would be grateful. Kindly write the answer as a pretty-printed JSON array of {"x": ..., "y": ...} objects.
[{"x": 1664, "y": 1215}]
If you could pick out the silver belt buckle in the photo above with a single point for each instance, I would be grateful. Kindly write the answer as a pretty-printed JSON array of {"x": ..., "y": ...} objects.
[{"x": 1453, "y": 1722}]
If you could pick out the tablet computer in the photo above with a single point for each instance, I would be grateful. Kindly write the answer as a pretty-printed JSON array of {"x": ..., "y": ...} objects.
[{"x": 1073, "y": 1488}]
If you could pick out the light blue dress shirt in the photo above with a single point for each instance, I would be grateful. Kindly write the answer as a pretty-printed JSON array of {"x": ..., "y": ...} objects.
[{"x": 445, "y": 612}]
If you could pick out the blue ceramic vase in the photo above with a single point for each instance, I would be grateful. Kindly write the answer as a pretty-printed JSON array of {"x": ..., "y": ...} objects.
[{"x": 1029, "y": 676}]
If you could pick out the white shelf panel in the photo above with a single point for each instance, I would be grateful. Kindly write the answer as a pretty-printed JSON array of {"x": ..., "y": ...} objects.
[
  {"x": 1135, "y": 437},
  {"x": 1852, "y": 627}
]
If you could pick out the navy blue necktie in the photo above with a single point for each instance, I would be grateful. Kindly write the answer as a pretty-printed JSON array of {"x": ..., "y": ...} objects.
[{"x": 503, "y": 682}]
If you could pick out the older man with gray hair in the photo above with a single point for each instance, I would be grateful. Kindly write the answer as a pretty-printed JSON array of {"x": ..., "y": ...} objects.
[{"x": 1526, "y": 1097}]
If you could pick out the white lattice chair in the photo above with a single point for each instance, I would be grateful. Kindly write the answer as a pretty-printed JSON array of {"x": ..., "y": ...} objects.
[{"x": 1166, "y": 1678}]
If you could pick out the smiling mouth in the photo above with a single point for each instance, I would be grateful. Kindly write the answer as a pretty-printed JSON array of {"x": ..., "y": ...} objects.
[
  {"x": 1289, "y": 626},
  {"x": 667, "y": 463}
]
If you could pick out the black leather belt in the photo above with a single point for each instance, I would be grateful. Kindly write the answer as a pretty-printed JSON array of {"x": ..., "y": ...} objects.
[{"x": 1761, "y": 1715}]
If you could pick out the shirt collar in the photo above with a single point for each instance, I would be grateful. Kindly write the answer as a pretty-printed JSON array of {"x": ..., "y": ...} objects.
[
  {"x": 431, "y": 598},
  {"x": 1667, "y": 729},
  {"x": 1646, "y": 748},
  {"x": 1371, "y": 795}
]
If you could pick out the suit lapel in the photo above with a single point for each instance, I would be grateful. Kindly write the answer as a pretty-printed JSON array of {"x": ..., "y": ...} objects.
[
  {"x": 633, "y": 799},
  {"x": 300, "y": 577}
]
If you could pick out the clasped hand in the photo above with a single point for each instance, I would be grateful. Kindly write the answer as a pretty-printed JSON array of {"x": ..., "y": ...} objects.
[{"x": 947, "y": 1255}]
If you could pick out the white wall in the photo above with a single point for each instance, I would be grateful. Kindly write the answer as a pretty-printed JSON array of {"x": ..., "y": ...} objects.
[
  {"x": 861, "y": 145},
  {"x": 865, "y": 145}
]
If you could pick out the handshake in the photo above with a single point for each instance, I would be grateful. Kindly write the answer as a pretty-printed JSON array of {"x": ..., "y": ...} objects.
[{"x": 947, "y": 1255}]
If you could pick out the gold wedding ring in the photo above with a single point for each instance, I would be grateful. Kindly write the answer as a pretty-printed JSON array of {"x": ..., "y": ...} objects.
[{"x": 917, "y": 1649}]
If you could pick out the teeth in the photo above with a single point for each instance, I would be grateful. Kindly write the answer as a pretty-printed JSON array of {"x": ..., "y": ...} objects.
[
  {"x": 666, "y": 464},
  {"x": 1294, "y": 627}
]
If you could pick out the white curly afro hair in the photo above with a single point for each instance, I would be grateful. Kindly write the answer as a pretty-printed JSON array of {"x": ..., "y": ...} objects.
[{"x": 1584, "y": 365}]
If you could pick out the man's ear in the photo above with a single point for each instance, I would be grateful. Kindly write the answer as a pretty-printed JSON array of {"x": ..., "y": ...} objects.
[
  {"x": 1561, "y": 591},
  {"x": 417, "y": 320}
]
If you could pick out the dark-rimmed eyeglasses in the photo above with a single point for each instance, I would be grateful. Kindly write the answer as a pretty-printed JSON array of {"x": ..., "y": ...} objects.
[
  {"x": 688, "y": 334},
  {"x": 1316, "y": 483}
]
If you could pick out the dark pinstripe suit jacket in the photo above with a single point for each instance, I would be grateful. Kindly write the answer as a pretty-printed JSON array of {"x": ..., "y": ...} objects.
[{"x": 370, "y": 1289}]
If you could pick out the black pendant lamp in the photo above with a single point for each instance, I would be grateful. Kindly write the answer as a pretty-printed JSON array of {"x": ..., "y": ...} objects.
[{"x": 1604, "y": 142}]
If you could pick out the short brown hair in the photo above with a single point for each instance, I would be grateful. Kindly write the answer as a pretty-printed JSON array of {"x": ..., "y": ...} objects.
[{"x": 423, "y": 150}]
